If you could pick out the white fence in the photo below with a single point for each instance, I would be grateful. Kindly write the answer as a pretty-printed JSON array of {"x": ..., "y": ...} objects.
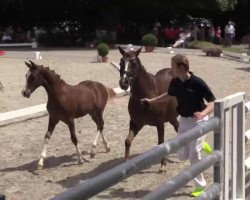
[{"x": 228, "y": 158}]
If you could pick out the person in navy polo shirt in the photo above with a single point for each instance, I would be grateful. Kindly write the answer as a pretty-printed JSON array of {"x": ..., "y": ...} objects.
[{"x": 190, "y": 91}]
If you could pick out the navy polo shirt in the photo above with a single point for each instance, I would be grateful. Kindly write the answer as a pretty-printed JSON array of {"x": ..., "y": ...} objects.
[{"x": 190, "y": 94}]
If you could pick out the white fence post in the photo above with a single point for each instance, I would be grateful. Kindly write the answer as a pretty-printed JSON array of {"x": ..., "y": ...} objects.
[
  {"x": 240, "y": 135},
  {"x": 231, "y": 111}
]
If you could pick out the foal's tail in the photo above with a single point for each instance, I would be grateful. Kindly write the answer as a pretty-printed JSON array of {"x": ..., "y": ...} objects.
[{"x": 111, "y": 93}]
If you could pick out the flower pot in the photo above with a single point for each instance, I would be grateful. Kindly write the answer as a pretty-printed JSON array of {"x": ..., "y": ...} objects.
[
  {"x": 104, "y": 59},
  {"x": 149, "y": 49}
]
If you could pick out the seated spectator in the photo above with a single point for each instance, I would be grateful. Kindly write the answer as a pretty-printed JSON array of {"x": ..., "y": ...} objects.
[{"x": 183, "y": 37}]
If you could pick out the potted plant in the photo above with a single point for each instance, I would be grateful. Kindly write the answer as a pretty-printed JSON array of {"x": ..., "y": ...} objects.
[
  {"x": 149, "y": 41},
  {"x": 103, "y": 50}
]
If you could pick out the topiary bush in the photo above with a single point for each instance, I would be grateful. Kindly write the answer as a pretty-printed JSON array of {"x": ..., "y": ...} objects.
[
  {"x": 103, "y": 49},
  {"x": 149, "y": 40}
]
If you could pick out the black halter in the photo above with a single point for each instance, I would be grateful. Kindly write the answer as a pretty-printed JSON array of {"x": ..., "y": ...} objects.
[{"x": 131, "y": 76}]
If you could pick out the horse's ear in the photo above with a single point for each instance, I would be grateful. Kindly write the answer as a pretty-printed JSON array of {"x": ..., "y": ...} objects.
[
  {"x": 28, "y": 65},
  {"x": 138, "y": 52},
  {"x": 121, "y": 50},
  {"x": 33, "y": 65}
]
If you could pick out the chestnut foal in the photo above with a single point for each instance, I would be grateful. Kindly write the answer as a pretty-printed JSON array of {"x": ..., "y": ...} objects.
[{"x": 67, "y": 102}]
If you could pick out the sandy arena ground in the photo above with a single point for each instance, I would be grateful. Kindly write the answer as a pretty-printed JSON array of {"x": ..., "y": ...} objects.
[{"x": 21, "y": 143}]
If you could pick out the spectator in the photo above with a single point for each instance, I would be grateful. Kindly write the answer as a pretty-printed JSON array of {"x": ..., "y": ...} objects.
[
  {"x": 183, "y": 37},
  {"x": 211, "y": 33},
  {"x": 229, "y": 33},
  {"x": 218, "y": 35},
  {"x": 194, "y": 32}
]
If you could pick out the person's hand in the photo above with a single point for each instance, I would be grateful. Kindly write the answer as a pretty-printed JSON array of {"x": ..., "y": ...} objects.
[
  {"x": 145, "y": 100},
  {"x": 199, "y": 115},
  {"x": 146, "y": 103}
]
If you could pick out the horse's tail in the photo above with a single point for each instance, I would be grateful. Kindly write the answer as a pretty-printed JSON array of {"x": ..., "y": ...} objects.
[{"x": 111, "y": 93}]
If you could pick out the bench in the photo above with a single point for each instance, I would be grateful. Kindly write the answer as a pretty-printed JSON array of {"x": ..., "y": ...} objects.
[{"x": 26, "y": 44}]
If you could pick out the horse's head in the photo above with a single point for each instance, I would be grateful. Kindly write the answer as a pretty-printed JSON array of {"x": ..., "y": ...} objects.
[
  {"x": 34, "y": 79},
  {"x": 129, "y": 67}
]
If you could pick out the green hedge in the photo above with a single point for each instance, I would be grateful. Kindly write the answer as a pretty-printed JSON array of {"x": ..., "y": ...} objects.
[
  {"x": 149, "y": 40},
  {"x": 103, "y": 49}
]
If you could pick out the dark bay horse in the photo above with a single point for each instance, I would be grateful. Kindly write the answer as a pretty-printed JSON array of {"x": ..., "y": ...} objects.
[
  {"x": 67, "y": 102},
  {"x": 145, "y": 85}
]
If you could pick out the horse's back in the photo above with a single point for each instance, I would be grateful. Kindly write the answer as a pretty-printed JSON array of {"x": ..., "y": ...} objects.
[
  {"x": 163, "y": 79},
  {"x": 96, "y": 91}
]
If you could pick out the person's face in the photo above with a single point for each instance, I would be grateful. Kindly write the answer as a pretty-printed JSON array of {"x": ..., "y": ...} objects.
[{"x": 177, "y": 71}]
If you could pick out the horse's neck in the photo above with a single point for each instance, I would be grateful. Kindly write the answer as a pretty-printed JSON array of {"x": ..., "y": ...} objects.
[
  {"x": 144, "y": 85},
  {"x": 52, "y": 84}
]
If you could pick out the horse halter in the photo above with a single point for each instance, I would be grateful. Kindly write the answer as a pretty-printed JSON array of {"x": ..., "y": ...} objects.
[{"x": 131, "y": 76}]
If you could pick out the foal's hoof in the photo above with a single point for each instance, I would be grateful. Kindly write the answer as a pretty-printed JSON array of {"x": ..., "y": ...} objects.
[
  {"x": 108, "y": 149},
  {"x": 163, "y": 169},
  {"x": 40, "y": 167},
  {"x": 80, "y": 162}
]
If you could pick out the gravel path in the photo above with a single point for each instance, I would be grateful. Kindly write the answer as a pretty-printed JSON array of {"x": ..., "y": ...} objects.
[{"x": 21, "y": 143}]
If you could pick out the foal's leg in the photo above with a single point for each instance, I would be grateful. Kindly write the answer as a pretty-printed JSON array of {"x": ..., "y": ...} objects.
[
  {"x": 52, "y": 123},
  {"x": 175, "y": 124},
  {"x": 133, "y": 130},
  {"x": 98, "y": 119},
  {"x": 160, "y": 130},
  {"x": 71, "y": 125}
]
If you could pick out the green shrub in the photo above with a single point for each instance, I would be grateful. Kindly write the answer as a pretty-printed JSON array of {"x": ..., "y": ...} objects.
[
  {"x": 149, "y": 40},
  {"x": 103, "y": 49}
]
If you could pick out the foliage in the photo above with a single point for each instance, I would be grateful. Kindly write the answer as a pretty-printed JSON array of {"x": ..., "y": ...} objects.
[
  {"x": 110, "y": 38},
  {"x": 103, "y": 49},
  {"x": 206, "y": 45},
  {"x": 246, "y": 40},
  {"x": 149, "y": 40}
]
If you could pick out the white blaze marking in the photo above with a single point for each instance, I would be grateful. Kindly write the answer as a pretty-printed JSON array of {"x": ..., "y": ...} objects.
[
  {"x": 131, "y": 136},
  {"x": 125, "y": 69},
  {"x": 43, "y": 154},
  {"x": 96, "y": 138},
  {"x": 26, "y": 81},
  {"x": 105, "y": 142},
  {"x": 79, "y": 154}
]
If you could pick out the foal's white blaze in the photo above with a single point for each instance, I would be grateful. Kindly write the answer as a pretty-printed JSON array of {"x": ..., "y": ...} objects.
[
  {"x": 130, "y": 136},
  {"x": 26, "y": 81},
  {"x": 125, "y": 69}
]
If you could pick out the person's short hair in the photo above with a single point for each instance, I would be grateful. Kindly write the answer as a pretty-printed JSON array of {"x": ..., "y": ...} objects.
[{"x": 181, "y": 60}]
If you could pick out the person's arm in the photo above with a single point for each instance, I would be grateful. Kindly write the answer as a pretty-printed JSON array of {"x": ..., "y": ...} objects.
[
  {"x": 205, "y": 112},
  {"x": 159, "y": 99}
]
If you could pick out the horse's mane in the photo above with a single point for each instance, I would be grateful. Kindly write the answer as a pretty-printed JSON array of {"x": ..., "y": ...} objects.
[{"x": 53, "y": 72}]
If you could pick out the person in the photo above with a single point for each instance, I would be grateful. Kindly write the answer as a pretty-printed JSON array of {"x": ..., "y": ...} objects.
[
  {"x": 229, "y": 33},
  {"x": 218, "y": 35},
  {"x": 211, "y": 33},
  {"x": 183, "y": 37},
  {"x": 190, "y": 91}
]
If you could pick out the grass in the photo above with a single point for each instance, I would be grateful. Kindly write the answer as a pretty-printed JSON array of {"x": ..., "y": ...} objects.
[{"x": 204, "y": 45}]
